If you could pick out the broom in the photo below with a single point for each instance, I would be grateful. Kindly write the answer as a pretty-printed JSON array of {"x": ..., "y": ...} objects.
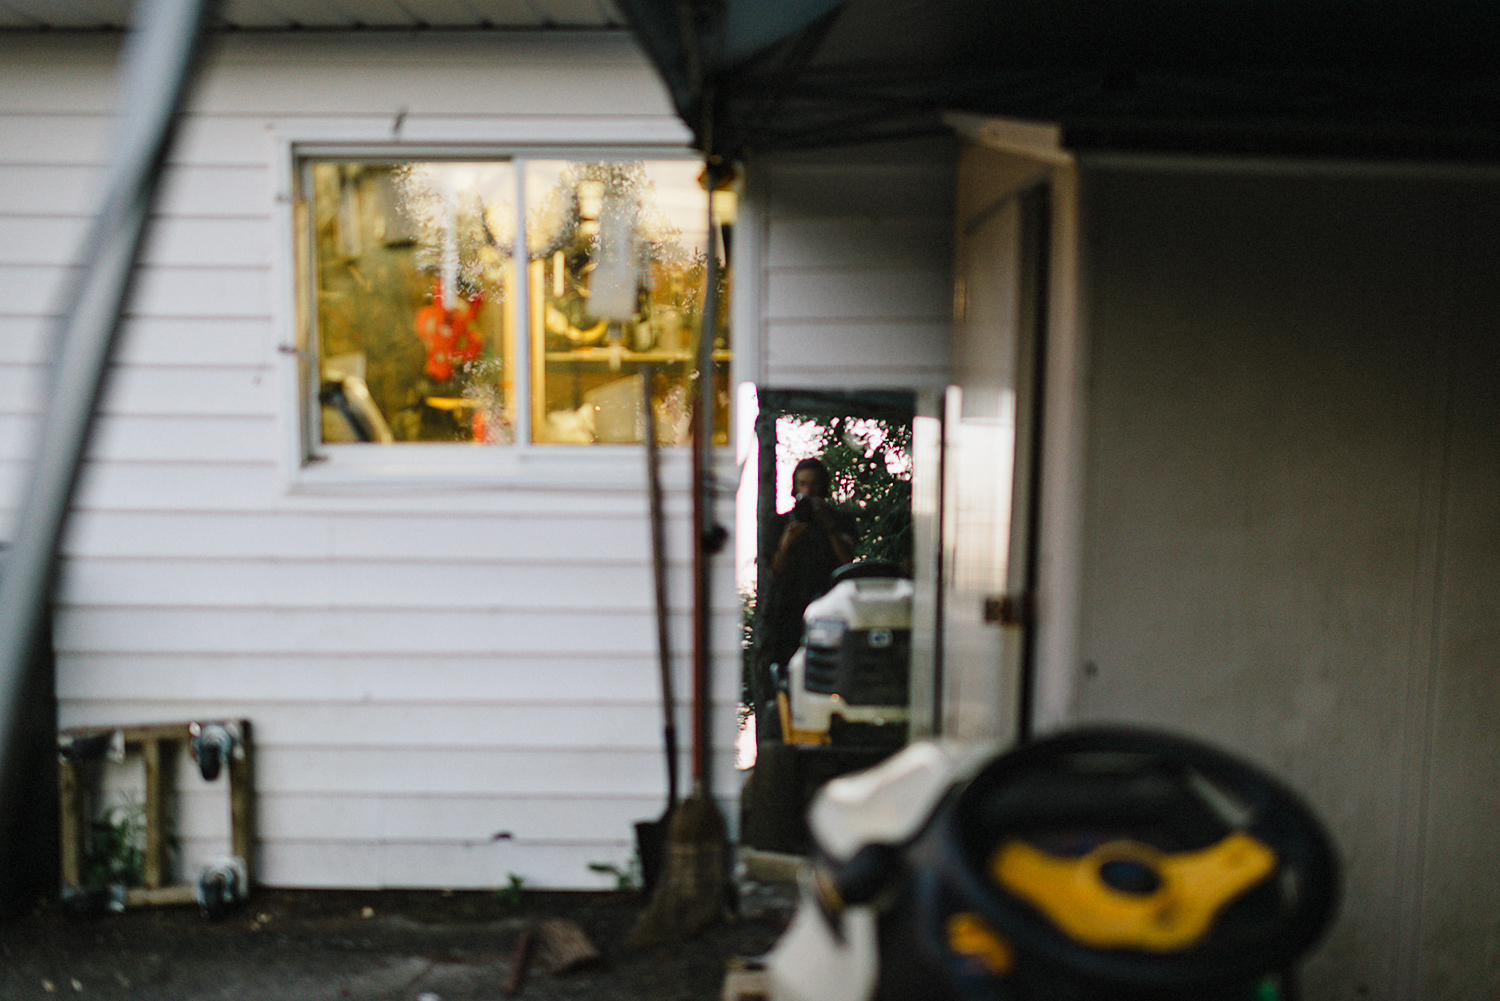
[{"x": 691, "y": 895}]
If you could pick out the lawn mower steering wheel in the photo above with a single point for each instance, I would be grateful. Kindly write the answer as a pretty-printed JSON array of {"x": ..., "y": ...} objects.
[{"x": 1127, "y": 858}]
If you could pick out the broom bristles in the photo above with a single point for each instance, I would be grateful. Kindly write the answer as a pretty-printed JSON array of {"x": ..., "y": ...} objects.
[{"x": 691, "y": 895}]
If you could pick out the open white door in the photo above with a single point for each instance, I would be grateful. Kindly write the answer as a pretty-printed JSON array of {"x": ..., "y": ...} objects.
[{"x": 990, "y": 433}]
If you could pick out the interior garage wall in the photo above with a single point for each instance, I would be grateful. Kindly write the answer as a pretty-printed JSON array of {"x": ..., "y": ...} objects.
[{"x": 1292, "y": 520}]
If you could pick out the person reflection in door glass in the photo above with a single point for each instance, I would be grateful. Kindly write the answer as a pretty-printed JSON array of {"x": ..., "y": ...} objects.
[{"x": 812, "y": 540}]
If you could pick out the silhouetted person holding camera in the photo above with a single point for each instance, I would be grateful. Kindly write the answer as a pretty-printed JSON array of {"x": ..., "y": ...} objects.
[{"x": 814, "y": 539}]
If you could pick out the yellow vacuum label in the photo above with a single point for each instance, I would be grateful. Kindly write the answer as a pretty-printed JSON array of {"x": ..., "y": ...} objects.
[{"x": 1125, "y": 894}]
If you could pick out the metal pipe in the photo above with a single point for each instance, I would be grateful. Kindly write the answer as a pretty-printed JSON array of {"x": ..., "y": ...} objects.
[{"x": 162, "y": 56}]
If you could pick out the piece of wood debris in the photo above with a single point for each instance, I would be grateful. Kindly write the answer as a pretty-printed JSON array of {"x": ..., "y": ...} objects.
[
  {"x": 562, "y": 945},
  {"x": 519, "y": 962}
]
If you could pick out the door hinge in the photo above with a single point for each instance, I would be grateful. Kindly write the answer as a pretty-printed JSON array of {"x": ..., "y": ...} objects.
[{"x": 1009, "y": 609}]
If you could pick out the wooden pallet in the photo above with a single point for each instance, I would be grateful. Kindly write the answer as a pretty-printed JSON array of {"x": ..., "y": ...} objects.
[{"x": 158, "y": 746}]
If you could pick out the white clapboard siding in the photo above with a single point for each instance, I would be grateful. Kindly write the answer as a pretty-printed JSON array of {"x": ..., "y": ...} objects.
[
  {"x": 170, "y": 485},
  {"x": 422, "y": 864},
  {"x": 299, "y": 583},
  {"x": 463, "y": 538},
  {"x": 458, "y": 820},
  {"x": 854, "y": 288},
  {"x": 334, "y": 630},
  {"x": 425, "y": 662},
  {"x": 113, "y": 677},
  {"x": 21, "y": 340},
  {"x": 474, "y": 725}
]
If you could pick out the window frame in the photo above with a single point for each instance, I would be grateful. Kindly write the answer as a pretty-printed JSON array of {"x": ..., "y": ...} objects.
[{"x": 311, "y": 465}]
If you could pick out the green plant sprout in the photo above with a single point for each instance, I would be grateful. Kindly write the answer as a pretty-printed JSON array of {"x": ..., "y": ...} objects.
[
  {"x": 627, "y": 877},
  {"x": 116, "y": 846},
  {"x": 511, "y": 894}
]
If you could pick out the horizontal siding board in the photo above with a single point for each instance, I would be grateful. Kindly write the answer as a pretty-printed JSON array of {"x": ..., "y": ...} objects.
[
  {"x": 197, "y": 292},
  {"x": 419, "y": 632},
  {"x": 879, "y": 243},
  {"x": 536, "y": 537},
  {"x": 22, "y": 341},
  {"x": 196, "y": 439},
  {"x": 203, "y": 292},
  {"x": 535, "y": 819},
  {"x": 551, "y": 53},
  {"x": 39, "y": 139},
  {"x": 22, "y": 390},
  {"x": 209, "y": 241},
  {"x": 500, "y": 132},
  {"x": 244, "y": 489},
  {"x": 581, "y": 771},
  {"x": 177, "y": 487},
  {"x": 466, "y": 539},
  {"x": 69, "y": 74},
  {"x": 239, "y": 149},
  {"x": 89, "y": 14},
  {"x": 18, "y": 437},
  {"x": 392, "y": 768},
  {"x": 196, "y": 341},
  {"x": 241, "y": 489},
  {"x": 856, "y": 378},
  {"x": 899, "y": 345},
  {"x": 201, "y": 349},
  {"x": 854, "y": 293},
  {"x": 192, "y": 391},
  {"x": 251, "y": 583},
  {"x": 40, "y": 239},
  {"x": 33, "y": 291},
  {"x": 247, "y": 535},
  {"x": 203, "y": 816},
  {"x": 49, "y": 188},
  {"x": 425, "y": 79},
  {"x": 171, "y": 242},
  {"x": 197, "y": 682},
  {"x": 162, "y": 696},
  {"x": 219, "y": 190},
  {"x": 371, "y": 865},
  {"x": 433, "y": 727}
]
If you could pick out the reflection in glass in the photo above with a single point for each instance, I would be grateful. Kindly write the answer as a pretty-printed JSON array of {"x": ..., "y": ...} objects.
[
  {"x": 414, "y": 303},
  {"x": 419, "y": 328},
  {"x": 616, "y": 263}
]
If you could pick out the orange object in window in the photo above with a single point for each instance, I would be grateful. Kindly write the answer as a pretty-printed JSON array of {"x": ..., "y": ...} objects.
[{"x": 446, "y": 332}]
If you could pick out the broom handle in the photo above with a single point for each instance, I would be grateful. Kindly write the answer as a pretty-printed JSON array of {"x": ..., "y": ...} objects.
[
  {"x": 659, "y": 572},
  {"x": 703, "y": 421}
]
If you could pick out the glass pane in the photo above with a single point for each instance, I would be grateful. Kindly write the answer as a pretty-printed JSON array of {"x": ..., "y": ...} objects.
[
  {"x": 617, "y": 260},
  {"x": 415, "y": 313}
]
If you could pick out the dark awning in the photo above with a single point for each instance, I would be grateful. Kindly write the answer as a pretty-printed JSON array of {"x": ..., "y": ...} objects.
[{"x": 1347, "y": 77}]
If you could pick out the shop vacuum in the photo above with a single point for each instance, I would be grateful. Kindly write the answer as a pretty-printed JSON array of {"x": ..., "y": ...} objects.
[{"x": 1107, "y": 864}]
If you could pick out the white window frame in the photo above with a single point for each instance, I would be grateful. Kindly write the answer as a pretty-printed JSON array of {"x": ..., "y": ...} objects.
[{"x": 313, "y": 467}]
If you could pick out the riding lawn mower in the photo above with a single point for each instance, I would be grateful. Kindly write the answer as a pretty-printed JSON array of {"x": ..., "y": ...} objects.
[{"x": 1108, "y": 864}]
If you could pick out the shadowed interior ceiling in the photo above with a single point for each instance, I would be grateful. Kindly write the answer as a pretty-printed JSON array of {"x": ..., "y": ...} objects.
[
  {"x": 1388, "y": 78},
  {"x": 1364, "y": 77}
]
